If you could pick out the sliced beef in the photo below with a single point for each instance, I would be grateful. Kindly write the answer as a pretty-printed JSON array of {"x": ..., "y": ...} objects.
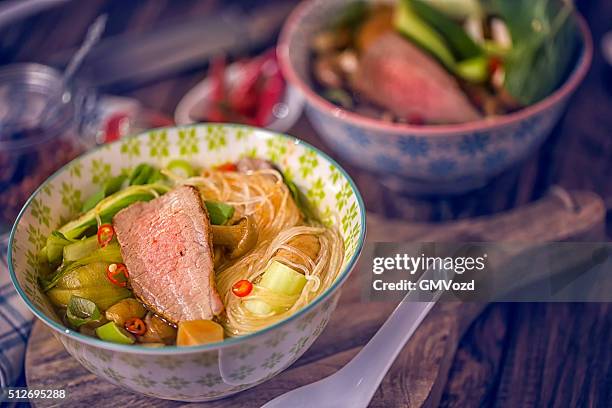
[
  {"x": 166, "y": 245},
  {"x": 400, "y": 77}
]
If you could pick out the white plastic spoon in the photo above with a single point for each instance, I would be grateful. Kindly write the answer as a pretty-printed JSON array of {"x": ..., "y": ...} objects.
[{"x": 355, "y": 384}]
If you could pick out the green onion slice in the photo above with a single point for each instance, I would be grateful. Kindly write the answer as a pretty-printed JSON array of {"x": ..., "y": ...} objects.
[
  {"x": 115, "y": 334},
  {"x": 181, "y": 168}
]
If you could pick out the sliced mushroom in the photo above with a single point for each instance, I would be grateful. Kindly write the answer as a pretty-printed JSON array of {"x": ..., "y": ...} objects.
[
  {"x": 218, "y": 256},
  {"x": 158, "y": 331},
  {"x": 307, "y": 244},
  {"x": 348, "y": 62},
  {"x": 324, "y": 42},
  {"x": 238, "y": 238},
  {"x": 124, "y": 310},
  {"x": 326, "y": 71},
  {"x": 247, "y": 164},
  {"x": 329, "y": 41}
]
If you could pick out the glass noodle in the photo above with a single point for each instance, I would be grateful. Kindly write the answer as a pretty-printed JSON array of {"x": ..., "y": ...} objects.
[{"x": 264, "y": 196}]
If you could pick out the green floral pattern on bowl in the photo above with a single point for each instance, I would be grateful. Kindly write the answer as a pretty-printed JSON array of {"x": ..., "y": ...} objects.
[{"x": 204, "y": 372}]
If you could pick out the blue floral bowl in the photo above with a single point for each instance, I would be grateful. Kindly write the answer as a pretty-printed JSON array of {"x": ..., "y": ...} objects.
[{"x": 427, "y": 159}]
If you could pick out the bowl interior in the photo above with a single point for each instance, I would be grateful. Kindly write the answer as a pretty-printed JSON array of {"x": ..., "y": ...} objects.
[
  {"x": 313, "y": 16},
  {"x": 327, "y": 186},
  {"x": 305, "y": 24}
]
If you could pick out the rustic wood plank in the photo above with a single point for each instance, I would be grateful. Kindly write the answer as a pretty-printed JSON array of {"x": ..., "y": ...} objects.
[
  {"x": 478, "y": 360},
  {"x": 545, "y": 220},
  {"x": 419, "y": 375},
  {"x": 543, "y": 367},
  {"x": 583, "y": 155}
]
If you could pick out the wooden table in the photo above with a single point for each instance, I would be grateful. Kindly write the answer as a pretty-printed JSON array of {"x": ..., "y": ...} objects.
[{"x": 513, "y": 354}]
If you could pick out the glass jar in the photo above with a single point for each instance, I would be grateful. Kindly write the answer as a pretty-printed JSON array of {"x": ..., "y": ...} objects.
[{"x": 42, "y": 127}]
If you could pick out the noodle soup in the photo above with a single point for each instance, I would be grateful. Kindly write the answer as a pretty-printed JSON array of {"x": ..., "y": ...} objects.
[
  {"x": 157, "y": 179},
  {"x": 186, "y": 255}
]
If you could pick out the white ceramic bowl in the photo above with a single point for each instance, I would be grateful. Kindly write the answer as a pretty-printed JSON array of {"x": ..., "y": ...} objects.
[{"x": 211, "y": 371}]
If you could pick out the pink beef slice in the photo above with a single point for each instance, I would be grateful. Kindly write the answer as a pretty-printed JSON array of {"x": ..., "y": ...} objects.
[
  {"x": 403, "y": 79},
  {"x": 166, "y": 245}
]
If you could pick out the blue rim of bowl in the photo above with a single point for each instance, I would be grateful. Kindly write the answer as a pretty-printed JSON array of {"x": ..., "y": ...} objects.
[{"x": 232, "y": 341}]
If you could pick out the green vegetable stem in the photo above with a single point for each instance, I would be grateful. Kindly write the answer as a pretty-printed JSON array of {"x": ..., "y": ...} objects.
[
  {"x": 461, "y": 44},
  {"x": 442, "y": 37},
  {"x": 110, "y": 187},
  {"x": 56, "y": 241},
  {"x": 115, "y": 334},
  {"x": 410, "y": 24},
  {"x": 279, "y": 279},
  {"x": 110, "y": 206},
  {"x": 80, "y": 249},
  {"x": 219, "y": 213}
]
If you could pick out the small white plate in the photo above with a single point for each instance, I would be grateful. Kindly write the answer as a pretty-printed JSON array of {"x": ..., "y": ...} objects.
[{"x": 191, "y": 107}]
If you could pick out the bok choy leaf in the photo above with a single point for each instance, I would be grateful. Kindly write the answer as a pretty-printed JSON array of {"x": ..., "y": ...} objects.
[
  {"x": 545, "y": 39},
  {"x": 110, "y": 253},
  {"x": 81, "y": 311}
]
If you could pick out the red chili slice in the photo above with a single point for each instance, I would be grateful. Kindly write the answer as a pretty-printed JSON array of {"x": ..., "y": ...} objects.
[
  {"x": 495, "y": 63},
  {"x": 271, "y": 93},
  {"x": 242, "y": 288},
  {"x": 227, "y": 167},
  {"x": 105, "y": 234},
  {"x": 217, "y": 76},
  {"x": 243, "y": 95},
  {"x": 117, "y": 274},
  {"x": 136, "y": 326},
  {"x": 116, "y": 127}
]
